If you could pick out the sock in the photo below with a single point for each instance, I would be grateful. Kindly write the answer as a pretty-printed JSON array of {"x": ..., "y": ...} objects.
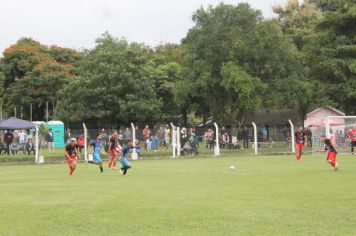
[
  {"x": 92, "y": 162},
  {"x": 101, "y": 169},
  {"x": 110, "y": 164},
  {"x": 125, "y": 170},
  {"x": 71, "y": 170},
  {"x": 114, "y": 164}
]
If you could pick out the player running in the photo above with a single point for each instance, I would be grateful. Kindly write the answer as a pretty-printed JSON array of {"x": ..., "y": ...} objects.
[
  {"x": 352, "y": 136},
  {"x": 113, "y": 150},
  {"x": 71, "y": 155},
  {"x": 96, "y": 153},
  {"x": 123, "y": 158},
  {"x": 300, "y": 140},
  {"x": 331, "y": 152}
]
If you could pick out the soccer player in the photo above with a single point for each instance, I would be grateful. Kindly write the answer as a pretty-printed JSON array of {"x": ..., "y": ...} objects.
[
  {"x": 123, "y": 158},
  {"x": 71, "y": 155},
  {"x": 96, "y": 153},
  {"x": 300, "y": 140},
  {"x": 352, "y": 136},
  {"x": 113, "y": 150},
  {"x": 331, "y": 152}
]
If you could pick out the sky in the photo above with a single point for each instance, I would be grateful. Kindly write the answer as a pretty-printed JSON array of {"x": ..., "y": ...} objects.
[{"x": 77, "y": 23}]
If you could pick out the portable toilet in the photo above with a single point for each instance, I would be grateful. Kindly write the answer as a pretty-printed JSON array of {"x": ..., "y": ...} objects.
[{"x": 58, "y": 132}]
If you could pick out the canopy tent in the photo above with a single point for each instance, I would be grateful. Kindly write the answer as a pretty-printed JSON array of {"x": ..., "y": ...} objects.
[{"x": 15, "y": 124}]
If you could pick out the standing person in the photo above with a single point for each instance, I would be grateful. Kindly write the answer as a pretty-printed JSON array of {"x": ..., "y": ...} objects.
[
  {"x": 104, "y": 138},
  {"x": 81, "y": 142},
  {"x": 114, "y": 150},
  {"x": 50, "y": 141},
  {"x": 96, "y": 152},
  {"x": 127, "y": 135},
  {"x": 123, "y": 158},
  {"x": 160, "y": 136},
  {"x": 244, "y": 135},
  {"x": 146, "y": 135},
  {"x": 67, "y": 136},
  {"x": 9, "y": 139},
  {"x": 331, "y": 152},
  {"x": 22, "y": 141},
  {"x": 300, "y": 140},
  {"x": 352, "y": 135},
  {"x": 167, "y": 136},
  {"x": 71, "y": 155}
]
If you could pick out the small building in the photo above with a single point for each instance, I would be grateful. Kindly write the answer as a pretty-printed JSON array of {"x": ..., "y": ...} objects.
[{"x": 318, "y": 116}]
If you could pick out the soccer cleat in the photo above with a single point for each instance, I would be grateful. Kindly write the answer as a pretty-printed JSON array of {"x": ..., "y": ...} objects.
[
  {"x": 121, "y": 173},
  {"x": 336, "y": 167}
]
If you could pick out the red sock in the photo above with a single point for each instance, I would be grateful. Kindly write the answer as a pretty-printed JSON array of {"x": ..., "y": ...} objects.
[
  {"x": 298, "y": 157},
  {"x": 110, "y": 164},
  {"x": 70, "y": 170},
  {"x": 114, "y": 164}
]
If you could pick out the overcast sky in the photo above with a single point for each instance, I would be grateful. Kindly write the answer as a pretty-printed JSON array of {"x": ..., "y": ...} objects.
[{"x": 77, "y": 23}]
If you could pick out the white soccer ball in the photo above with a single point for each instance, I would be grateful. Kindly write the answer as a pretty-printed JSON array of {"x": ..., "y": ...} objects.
[{"x": 232, "y": 168}]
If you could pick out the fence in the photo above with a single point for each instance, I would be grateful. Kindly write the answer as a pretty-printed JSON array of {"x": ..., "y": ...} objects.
[{"x": 167, "y": 140}]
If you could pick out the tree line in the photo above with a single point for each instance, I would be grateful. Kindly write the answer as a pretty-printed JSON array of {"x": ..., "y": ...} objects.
[{"x": 231, "y": 62}]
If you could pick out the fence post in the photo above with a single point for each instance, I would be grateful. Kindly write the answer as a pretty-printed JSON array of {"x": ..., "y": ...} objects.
[
  {"x": 37, "y": 146},
  {"x": 327, "y": 127},
  {"x": 292, "y": 135},
  {"x": 178, "y": 141},
  {"x": 255, "y": 137},
  {"x": 85, "y": 142},
  {"x": 217, "y": 144},
  {"x": 173, "y": 140},
  {"x": 134, "y": 153}
]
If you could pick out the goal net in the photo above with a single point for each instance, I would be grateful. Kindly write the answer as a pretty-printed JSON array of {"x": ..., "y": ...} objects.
[{"x": 337, "y": 129}]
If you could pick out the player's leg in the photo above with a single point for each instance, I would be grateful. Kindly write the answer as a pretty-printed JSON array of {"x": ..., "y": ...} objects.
[
  {"x": 298, "y": 151},
  {"x": 127, "y": 165},
  {"x": 353, "y": 144}
]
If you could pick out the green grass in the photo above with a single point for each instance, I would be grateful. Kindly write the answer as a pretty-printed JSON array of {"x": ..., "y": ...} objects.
[{"x": 273, "y": 195}]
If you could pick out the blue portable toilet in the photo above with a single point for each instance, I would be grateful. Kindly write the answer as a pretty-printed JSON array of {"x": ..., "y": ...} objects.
[{"x": 58, "y": 132}]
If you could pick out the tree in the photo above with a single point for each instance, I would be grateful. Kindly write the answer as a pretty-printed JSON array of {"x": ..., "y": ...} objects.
[
  {"x": 331, "y": 55},
  {"x": 231, "y": 41},
  {"x": 114, "y": 85},
  {"x": 34, "y": 73}
]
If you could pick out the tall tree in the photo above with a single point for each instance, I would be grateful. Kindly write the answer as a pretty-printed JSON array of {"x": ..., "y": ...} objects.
[
  {"x": 114, "y": 85},
  {"x": 228, "y": 42}
]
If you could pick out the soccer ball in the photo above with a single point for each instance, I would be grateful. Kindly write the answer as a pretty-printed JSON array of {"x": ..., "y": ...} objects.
[{"x": 232, "y": 168}]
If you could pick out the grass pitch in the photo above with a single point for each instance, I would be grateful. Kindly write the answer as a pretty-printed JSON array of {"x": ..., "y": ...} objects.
[{"x": 273, "y": 195}]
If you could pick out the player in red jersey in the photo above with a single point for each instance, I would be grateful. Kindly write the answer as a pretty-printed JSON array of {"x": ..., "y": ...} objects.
[
  {"x": 300, "y": 140},
  {"x": 113, "y": 150},
  {"x": 71, "y": 155},
  {"x": 352, "y": 136},
  {"x": 331, "y": 152}
]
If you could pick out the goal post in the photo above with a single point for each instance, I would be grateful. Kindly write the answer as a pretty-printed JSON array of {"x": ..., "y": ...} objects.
[{"x": 335, "y": 128}]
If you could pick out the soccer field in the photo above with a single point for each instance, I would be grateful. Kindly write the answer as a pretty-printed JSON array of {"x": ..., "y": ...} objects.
[{"x": 273, "y": 195}]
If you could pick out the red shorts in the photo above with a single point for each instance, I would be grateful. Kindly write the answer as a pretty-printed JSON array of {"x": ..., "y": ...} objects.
[
  {"x": 331, "y": 156},
  {"x": 299, "y": 146},
  {"x": 113, "y": 153},
  {"x": 70, "y": 160}
]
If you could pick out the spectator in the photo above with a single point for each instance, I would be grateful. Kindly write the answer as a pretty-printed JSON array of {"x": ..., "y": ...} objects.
[
  {"x": 80, "y": 142},
  {"x": 67, "y": 136},
  {"x": 22, "y": 140},
  {"x": 9, "y": 139},
  {"x": 160, "y": 136},
  {"x": 167, "y": 136},
  {"x": 29, "y": 147},
  {"x": 127, "y": 134},
  {"x": 154, "y": 143},
  {"x": 225, "y": 140},
  {"x": 146, "y": 136},
  {"x": 104, "y": 139},
  {"x": 50, "y": 141},
  {"x": 183, "y": 137},
  {"x": 244, "y": 135},
  {"x": 209, "y": 139},
  {"x": 187, "y": 149}
]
